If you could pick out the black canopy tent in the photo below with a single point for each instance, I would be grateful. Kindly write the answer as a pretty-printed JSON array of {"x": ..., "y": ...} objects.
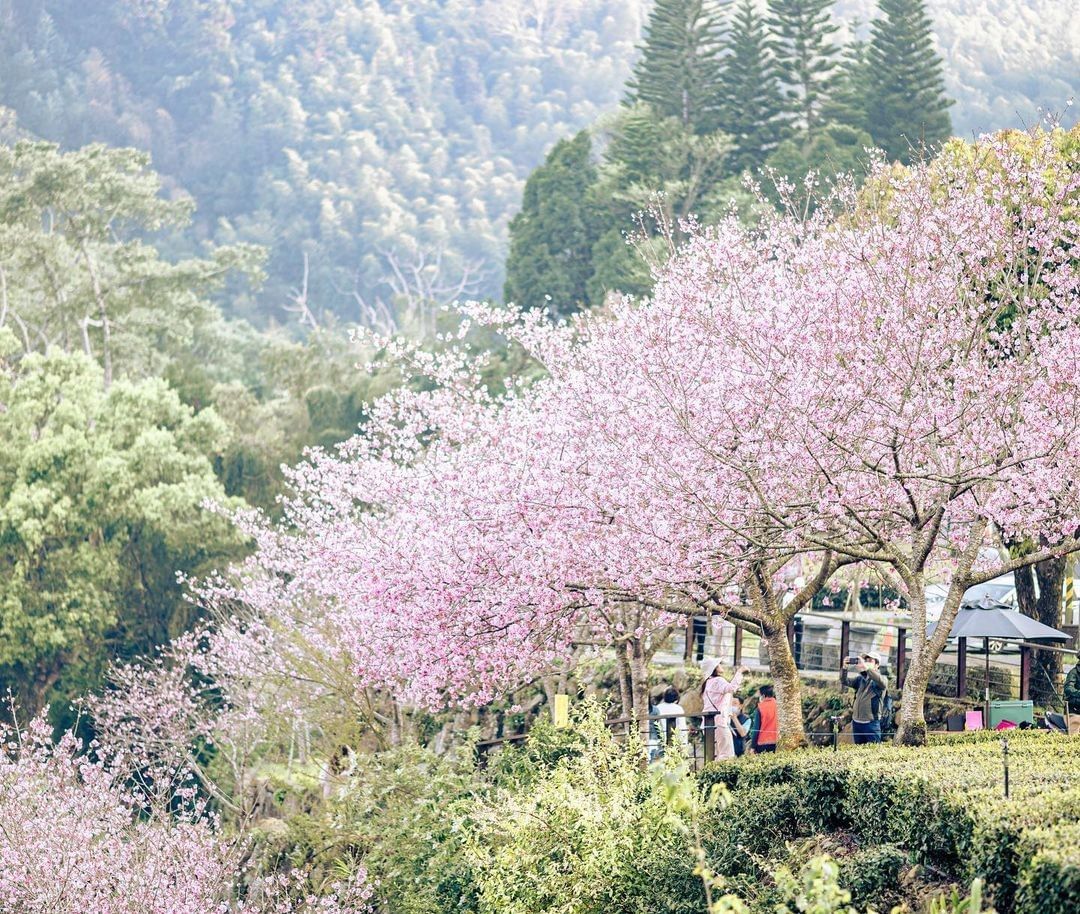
[{"x": 984, "y": 616}]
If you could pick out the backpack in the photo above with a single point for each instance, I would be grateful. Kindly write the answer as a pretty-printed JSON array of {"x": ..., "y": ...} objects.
[{"x": 886, "y": 710}]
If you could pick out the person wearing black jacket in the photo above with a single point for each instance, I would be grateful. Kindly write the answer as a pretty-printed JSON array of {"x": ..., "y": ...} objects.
[
  {"x": 1072, "y": 690},
  {"x": 870, "y": 687}
]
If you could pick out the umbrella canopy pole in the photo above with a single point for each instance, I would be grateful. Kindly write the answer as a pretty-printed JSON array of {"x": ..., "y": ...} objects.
[{"x": 986, "y": 647}]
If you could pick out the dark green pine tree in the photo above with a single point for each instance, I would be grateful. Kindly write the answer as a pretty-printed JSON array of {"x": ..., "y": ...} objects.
[
  {"x": 679, "y": 67},
  {"x": 907, "y": 107},
  {"x": 806, "y": 56},
  {"x": 551, "y": 239},
  {"x": 850, "y": 96},
  {"x": 753, "y": 111}
]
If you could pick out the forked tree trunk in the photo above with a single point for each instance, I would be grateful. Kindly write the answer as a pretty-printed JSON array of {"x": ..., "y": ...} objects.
[{"x": 911, "y": 730}]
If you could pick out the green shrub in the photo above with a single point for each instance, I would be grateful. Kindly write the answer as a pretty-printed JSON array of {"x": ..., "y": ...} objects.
[
  {"x": 1050, "y": 880},
  {"x": 754, "y": 825},
  {"x": 404, "y": 814},
  {"x": 873, "y": 874},
  {"x": 596, "y": 833},
  {"x": 944, "y": 806}
]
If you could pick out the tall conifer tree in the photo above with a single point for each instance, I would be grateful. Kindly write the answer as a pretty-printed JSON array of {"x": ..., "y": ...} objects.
[
  {"x": 806, "y": 56},
  {"x": 751, "y": 102},
  {"x": 551, "y": 239},
  {"x": 847, "y": 103},
  {"x": 679, "y": 67},
  {"x": 907, "y": 107}
]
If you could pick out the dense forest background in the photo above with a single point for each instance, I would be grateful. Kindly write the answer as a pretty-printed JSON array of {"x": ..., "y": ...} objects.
[{"x": 378, "y": 148}]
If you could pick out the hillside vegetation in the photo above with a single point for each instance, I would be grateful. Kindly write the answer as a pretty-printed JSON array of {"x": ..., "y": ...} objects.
[
  {"x": 379, "y": 149},
  {"x": 385, "y": 142}
]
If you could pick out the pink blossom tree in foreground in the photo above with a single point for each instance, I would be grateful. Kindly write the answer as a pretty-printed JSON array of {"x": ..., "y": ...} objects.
[
  {"x": 941, "y": 410},
  {"x": 892, "y": 381},
  {"x": 918, "y": 359},
  {"x": 76, "y": 836}
]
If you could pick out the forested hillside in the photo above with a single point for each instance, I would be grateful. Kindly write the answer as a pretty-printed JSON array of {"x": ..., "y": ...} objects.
[
  {"x": 379, "y": 149},
  {"x": 1004, "y": 59},
  {"x": 386, "y": 142}
]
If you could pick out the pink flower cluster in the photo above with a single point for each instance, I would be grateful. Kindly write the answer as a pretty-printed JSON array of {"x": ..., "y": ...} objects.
[
  {"x": 76, "y": 836},
  {"x": 894, "y": 380}
]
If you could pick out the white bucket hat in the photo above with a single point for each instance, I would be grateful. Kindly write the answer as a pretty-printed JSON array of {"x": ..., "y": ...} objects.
[{"x": 708, "y": 666}]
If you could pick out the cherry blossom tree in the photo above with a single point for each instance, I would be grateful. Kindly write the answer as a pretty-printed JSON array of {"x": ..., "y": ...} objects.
[
  {"x": 77, "y": 836},
  {"x": 956, "y": 408},
  {"x": 890, "y": 381},
  {"x": 918, "y": 353}
]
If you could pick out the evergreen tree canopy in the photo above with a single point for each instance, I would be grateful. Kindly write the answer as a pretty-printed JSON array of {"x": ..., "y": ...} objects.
[
  {"x": 850, "y": 95},
  {"x": 806, "y": 54},
  {"x": 551, "y": 238},
  {"x": 680, "y": 64},
  {"x": 101, "y": 504},
  {"x": 75, "y": 268},
  {"x": 654, "y": 163},
  {"x": 835, "y": 149},
  {"x": 907, "y": 107},
  {"x": 753, "y": 108}
]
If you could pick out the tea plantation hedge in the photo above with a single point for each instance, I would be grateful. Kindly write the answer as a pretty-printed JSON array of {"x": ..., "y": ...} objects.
[{"x": 944, "y": 805}]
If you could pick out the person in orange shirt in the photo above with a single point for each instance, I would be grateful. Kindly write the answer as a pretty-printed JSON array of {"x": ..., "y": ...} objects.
[{"x": 765, "y": 729}]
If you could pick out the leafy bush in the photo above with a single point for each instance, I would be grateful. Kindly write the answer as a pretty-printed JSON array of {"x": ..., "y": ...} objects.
[
  {"x": 405, "y": 813},
  {"x": 873, "y": 874},
  {"x": 596, "y": 833},
  {"x": 754, "y": 826}
]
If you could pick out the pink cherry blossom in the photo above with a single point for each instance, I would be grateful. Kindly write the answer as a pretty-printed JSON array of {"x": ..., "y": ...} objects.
[
  {"x": 891, "y": 381},
  {"x": 77, "y": 836}
]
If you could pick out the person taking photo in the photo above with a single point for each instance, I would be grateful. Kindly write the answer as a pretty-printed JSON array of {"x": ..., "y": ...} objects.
[{"x": 870, "y": 686}]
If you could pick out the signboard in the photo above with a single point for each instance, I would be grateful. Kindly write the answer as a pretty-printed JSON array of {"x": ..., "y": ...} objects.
[{"x": 561, "y": 711}]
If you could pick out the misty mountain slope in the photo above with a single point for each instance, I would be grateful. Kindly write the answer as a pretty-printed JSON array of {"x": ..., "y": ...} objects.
[
  {"x": 1004, "y": 59},
  {"x": 386, "y": 142},
  {"x": 378, "y": 148}
]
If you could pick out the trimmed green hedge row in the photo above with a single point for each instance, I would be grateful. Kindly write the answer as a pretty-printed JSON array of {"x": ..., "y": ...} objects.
[{"x": 944, "y": 805}]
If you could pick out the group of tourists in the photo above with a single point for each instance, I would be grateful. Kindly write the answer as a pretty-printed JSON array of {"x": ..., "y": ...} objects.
[{"x": 737, "y": 733}]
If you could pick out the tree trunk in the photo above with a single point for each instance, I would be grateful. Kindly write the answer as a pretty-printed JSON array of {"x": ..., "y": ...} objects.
[
  {"x": 788, "y": 687},
  {"x": 639, "y": 687},
  {"x": 626, "y": 695},
  {"x": 1046, "y": 608},
  {"x": 911, "y": 729}
]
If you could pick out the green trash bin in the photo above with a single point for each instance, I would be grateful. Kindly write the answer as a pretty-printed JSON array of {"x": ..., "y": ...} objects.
[{"x": 1015, "y": 711}]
